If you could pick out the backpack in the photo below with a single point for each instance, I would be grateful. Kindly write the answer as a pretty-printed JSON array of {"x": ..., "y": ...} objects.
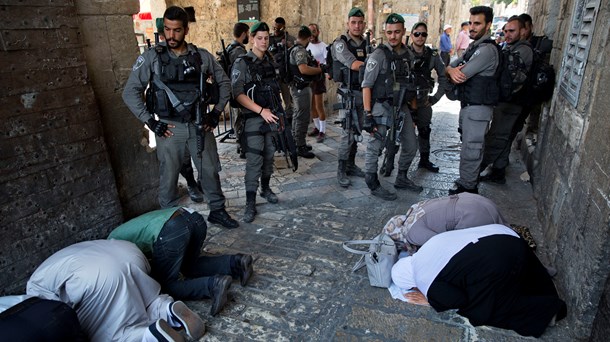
[
  {"x": 223, "y": 58},
  {"x": 329, "y": 60},
  {"x": 512, "y": 74},
  {"x": 541, "y": 79},
  {"x": 282, "y": 59}
]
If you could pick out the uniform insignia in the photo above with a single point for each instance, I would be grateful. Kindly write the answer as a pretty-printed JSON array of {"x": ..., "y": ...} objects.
[
  {"x": 235, "y": 75},
  {"x": 476, "y": 53},
  {"x": 139, "y": 62},
  {"x": 371, "y": 65},
  {"x": 340, "y": 46},
  {"x": 300, "y": 55}
]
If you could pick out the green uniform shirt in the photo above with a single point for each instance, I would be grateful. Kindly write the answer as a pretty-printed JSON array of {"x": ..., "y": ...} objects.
[{"x": 144, "y": 229}]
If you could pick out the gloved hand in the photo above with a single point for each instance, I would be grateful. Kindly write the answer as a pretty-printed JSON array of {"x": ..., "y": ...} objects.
[
  {"x": 432, "y": 100},
  {"x": 212, "y": 118},
  {"x": 369, "y": 122},
  {"x": 324, "y": 68},
  {"x": 157, "y": 126}
]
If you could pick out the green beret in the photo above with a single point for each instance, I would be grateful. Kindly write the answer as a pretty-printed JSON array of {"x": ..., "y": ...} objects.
[
  {"x": 259, "y": 26},
  {"x": 355, "y": 12},
  {"x": 160, "y": 25},
  {"x": 395, "y": 19}
]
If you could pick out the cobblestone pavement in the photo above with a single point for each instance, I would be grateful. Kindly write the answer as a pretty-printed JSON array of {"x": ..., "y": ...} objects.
[{"x": 303, "y": 287}]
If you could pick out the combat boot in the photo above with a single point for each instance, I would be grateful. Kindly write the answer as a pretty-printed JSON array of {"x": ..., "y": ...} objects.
[
  {"x": 496, "y": 175},
  {"x": 341, "y": 175},
  {"x": 266, "y": 191},
  {"x": 352, "y": 169},
  {"x": 250, "y": 211},
  {"x": 403, "y": 182},
  {"x": 376, "y": 189},
  {"x": 425, "y": 163}
]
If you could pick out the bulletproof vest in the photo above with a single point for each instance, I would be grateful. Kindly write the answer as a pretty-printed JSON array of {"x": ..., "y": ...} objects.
[
  {"x": 181, "y": 75},
  {"x": 264, "y": 82},
  {"x": 301, "y": 79},
  {"x": 422, "y": 70},
  {"x": 479, "y": 90},
  {"x": 340, "y": 71},
  {"x": 400, "y": 70}
]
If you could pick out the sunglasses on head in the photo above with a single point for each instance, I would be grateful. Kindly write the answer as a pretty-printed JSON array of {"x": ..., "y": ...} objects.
[{"x": 423, "y": 34}]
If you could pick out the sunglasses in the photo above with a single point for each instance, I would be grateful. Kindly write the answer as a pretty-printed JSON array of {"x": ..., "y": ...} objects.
[{"x": 422, "y": 34}]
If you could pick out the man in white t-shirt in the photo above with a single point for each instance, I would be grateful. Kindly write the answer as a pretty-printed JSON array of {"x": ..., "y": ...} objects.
[{"x": 318, "y": 88}]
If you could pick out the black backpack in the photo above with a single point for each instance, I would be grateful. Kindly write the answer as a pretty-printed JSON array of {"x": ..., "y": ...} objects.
[
  {"x": 223, "y": 59},
  {"x": 512, "y": 74},
  {"x": 541, "y": 79}
]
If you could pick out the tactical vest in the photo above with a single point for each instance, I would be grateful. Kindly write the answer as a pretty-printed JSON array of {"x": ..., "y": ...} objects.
[
  {"x": 181, "y": 75},
  {"x": 341, "y": 72},
  {"x": 300, "y": 80},
  {"x": 479, "y": 90},
  {"x": 422, "y": 70},
  {"x": 399, "y": 69},
  {"x": 263, "y": 84}
]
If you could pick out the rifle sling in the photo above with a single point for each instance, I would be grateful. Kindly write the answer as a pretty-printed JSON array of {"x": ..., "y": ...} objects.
[{"x": 176, "y": 103}]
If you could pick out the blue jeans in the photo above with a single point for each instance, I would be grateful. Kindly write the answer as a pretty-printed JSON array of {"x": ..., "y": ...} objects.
[{"x": 177, "y": 250}]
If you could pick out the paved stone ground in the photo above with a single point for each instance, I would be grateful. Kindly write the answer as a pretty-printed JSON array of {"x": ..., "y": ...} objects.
[{"x": 303, "y": 287}]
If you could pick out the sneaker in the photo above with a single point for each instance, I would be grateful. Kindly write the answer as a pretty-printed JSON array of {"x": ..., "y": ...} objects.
[
  {"x": 195, "y": 194},
  {"x": 303, "y": 151},
  {"x": 314, "y": 132},
  {"x": 164, "y": 333},
  {"x": 222, "y": 218},
  {"x": 320, "y": 138},
  {"x": 219, "y": 292},
  {"x": 190, "y": 321}
]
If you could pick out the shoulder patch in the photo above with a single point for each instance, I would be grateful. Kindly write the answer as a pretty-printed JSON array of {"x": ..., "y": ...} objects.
[
  {"x": 139, "y": 62},
  {"x": 301, "y": 54},
  {"x": 235, "y": 74},
  {"x": 339, "y": 46},
  {"x": 371, "y": 65}
]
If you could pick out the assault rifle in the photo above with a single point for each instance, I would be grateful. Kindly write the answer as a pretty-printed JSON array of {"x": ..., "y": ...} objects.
[
  {"x": 286, "y": 141},
  {"x": 350, "y": 123},
  {"x": 393, "y": 135},
  {"x": 225, "y": 61},
  {"x": 199, "y": 119}
]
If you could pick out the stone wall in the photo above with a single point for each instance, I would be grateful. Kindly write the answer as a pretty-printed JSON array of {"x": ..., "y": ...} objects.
[
  {"x": 56, "y": 181},
  {"x": 110, "y": 49},
  {"x": 572, "y": 182}
]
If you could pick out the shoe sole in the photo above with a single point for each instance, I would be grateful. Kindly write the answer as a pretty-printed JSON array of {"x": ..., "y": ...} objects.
[
  {"x": 164, "y": 333},
  {"x": 192, "y": 323},
  {"x": 219, "y": 303},
  {"x": 246, "y": 263}
]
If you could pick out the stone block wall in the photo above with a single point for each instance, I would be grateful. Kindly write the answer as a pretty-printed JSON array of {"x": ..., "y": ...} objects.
[
  {"x": 56, "y": 183},
  {"x": 572, "y": 181}
]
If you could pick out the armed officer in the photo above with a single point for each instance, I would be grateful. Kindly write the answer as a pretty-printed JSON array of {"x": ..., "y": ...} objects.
[
  {"x": 349, "y": 53},
  {"x": 279, "y": 42},
  {"x": 254, "y": 83},
  {"x": 174, "y": 70},
  {"x": 426, "y": 60},
  {"x": 475, "y": 76},
  {"x": 304, "y": 69},
  {"x": 387, "y": 88}
]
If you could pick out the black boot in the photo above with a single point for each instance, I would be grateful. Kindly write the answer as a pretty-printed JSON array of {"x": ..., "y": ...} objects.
[
  {"x": 250, "y": 211},
  {"x": 351, "y": 168},
  {"x": 460, "y": 188},
  {"x": 497, "y": 176},
  {"x": 376, "y": 189},
  {"x": 266, "y": 191},
  {"x": 403, "y": 182},
  {"x": 388, "y": 166},
  {"x": 341, "y": 175},
  {"x": 425, "y": 163}
]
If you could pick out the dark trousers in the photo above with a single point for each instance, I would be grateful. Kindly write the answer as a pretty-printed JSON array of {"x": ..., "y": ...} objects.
[
  {"x": 177, "y": 250},
  {"x": 445, "y": 57},
  {"x": 498, "y": 281}
]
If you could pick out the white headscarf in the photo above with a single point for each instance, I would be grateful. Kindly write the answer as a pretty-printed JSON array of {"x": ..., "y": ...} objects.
[{"x": 402, "y": 273}]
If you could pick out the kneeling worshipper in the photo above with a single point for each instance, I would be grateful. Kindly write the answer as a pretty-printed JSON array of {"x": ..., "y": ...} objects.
[
  {"x": 489, "y": 274},
  {"x": 107, "y": 283}
]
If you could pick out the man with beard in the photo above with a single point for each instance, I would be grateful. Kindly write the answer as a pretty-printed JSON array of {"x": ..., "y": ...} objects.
[
  {"x": 475, "y": 76},
  {"x": 279, "y": 41},
  {"x": 388, "y": 72},
  {"x": 176, "y": 68},
  {"x": 506, "y": 113},
  {"x": 349, "y": 53}
]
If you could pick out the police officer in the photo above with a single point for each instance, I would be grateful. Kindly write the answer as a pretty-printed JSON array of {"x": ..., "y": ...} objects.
[
  {"x": 505, "y": 115},
  {"x": 426, "y": 60},
  {"x": 238, "y": 46},
  {"x": 253, "y": 79},
  {"x": 279, "y": 41},
  {"x": 474, "y": 74},
  {"x": 349, "y": 53},
  {"x": 304, "y": 69},
  {"x": 175, "y": 68},
  {"x": 388, "y": 71}
]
